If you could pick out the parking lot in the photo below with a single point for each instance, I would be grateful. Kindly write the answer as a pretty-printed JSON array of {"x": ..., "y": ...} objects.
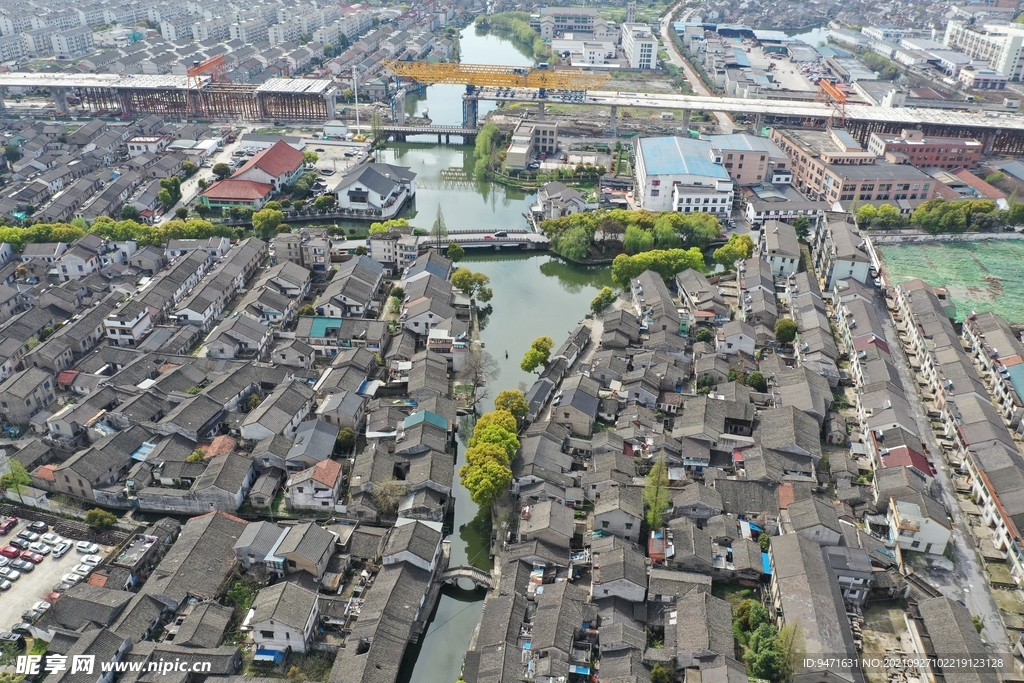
[
  {"x": 332, "y": 154},
  {"x": 35, "y": 585}
]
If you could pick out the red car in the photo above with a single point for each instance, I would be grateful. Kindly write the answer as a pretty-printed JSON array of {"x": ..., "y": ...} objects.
[
  {"x": 7, "y": 525},
  {"x": 10, "y": 551},
  {"x": 34, "y": 558}
]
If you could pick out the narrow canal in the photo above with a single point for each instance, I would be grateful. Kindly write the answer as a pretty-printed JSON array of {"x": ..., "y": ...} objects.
[{"x": 534, "y": 295}]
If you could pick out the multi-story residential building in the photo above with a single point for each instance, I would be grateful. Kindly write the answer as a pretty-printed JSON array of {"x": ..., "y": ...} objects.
[
  {"x": 831, "y": 165},
  {"x": 287, "y": 32},
  {"x": 1000, "y": 45},
  {"x": 752, "y": 160},
  {"x": 840, "y": 251},
  {"x": 554, "y": 21},
  {"x": 680, "y": 174},
  {"x": 912, "y": 147},
  {"x": 919, "y": 523},
  {"x": 1000, "y": 356},
  {"x": 24, "y": 394},
  {"x": 529, "y": 138},
  {"x": 13, "y": 48},
  {"x": 40, "y": 40},
  {"x": 73, "y": 43},
  {"x": 780, "y": 248},
  {"x": 640, "y": 46},
  {"x": 128, "y": 324}
]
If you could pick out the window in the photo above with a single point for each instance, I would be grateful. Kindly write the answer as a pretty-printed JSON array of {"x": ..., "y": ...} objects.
[
  {"x": 655, "y": 193},
  {"x": 267, "y": 634},
  {"x": 629, "y": 525},
  {"x": 567, "y": 414},
  {"x": 604, "y": 524},
  {"x": 915, "y": 544}
]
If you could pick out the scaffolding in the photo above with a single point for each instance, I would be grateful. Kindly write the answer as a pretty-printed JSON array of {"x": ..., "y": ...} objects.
[{"x": 228, "y": 101}]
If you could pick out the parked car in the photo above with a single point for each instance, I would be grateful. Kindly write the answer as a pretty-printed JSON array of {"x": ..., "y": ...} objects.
[
  {"x": 31, "y": 616},
  {"x": 10, "y": 551},
  {"x": 72, "y": 579},
  {"x": 27, "y": 561},
  {"x": 29, "y": 536},
  {"x": 93, "y": 560},
  {"x": 15, "y": 639},
  {"x": 62, "y": 587},
  {"x": 61, "y": 549},
  {"x": 5, "y": 585},
  {"x": 22, "y": 629},
  {"x": 20, "y": 543},
  {"x": 51, "y": 539},
  {"x": 42, "y": 606},
  {"x": 39, "y": 527},
  {"x": 7, "y": 525},
  {"x": 86, "y": 548},
  {"x": 10, "y": 574},
  {"x": 40, "y": 548},
  {"x": 82, "y": 569}
]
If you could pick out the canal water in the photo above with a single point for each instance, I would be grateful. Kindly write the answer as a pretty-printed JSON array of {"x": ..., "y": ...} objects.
[{"x": 534, "y": 295}]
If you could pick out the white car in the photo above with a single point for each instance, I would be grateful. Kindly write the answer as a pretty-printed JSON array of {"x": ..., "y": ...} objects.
[
  {"x": 86, "y": 548},
  {"x": 5, "y": 585},
  {"x": 93, "y": 560},
  {"x": 72, "y": 579},
  {"x": 10, "y": 574},
  {"x": 41, "y": 606},
  {"x": 61, "y": 549},
  {"x": 82, "y": 569},
  {"x": 39, "y": 547},
  {"x": 51, "y": 539},
  {"x": 4, "y": 561}
]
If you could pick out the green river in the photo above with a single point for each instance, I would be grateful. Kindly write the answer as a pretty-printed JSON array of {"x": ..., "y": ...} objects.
[{"x": 534, "y": 295}]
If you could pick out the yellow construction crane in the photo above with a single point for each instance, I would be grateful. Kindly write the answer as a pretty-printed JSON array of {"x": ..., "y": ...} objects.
[{"x": 429, "y": 73}]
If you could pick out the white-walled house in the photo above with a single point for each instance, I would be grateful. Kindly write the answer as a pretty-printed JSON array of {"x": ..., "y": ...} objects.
[
  {"x": 919, "y": 523},
  {"x": 414, "y": 541},
  {"x": 618, "y": 512},
  {"x": 284, "y": 617},
  {"x": 380, "y": 188},
  {"x": 736, "y": 337},
  {"x": 780, "y": 247}
]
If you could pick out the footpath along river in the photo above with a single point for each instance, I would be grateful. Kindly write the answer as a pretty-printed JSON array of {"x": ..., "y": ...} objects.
[{"x": 534, "y": 295}]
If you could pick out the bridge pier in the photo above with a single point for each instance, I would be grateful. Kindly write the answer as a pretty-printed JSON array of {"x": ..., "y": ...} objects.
[
  {"x": 439, "y": 138},
  {"x": 686, "y": 121},
  {"x": 758, "y": 123},
  {"x": 447, "y": 138},
  {"x": 540, "y": 111},
  {"x": 60, "y": 99},
  {"x": 470, "y": 112},
  {"x": 398, "y": 107},
  {"x": 614, "y": 127}
]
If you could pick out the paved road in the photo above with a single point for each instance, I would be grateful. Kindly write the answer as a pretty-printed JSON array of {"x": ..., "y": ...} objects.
[
  {"x": 691, "y": 76},
  {"x": 977, "y": 592}
]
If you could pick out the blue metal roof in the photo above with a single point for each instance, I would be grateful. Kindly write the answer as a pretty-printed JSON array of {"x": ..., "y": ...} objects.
[
  {"x": 679, "y": 156},
  {"x": 766, "y": 563}
]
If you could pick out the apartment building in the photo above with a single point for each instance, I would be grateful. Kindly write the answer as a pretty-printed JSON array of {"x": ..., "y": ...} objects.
[
  {"x": 73, "y": 43},
  {"x": 639, "y": 46},
  {"x": 554, "y": 21},
  {"x": 529, "y": 138},
  {"x": 1000, "y": 45},
  {"x": 752, "y": 160},
  {"x": 912, "y": 147}
]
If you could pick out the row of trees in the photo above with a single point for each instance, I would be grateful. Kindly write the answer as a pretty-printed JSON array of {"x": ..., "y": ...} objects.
[
  {"x": 485, "y": 150},
  {"x": 768, "y": 652},
  {"x": 638, "y": 230},
  {"x": 486, "y": 474},
  {"x": 941, "y": 216},
  {"x": 146, "y": 234},
  {"x": 664, "y": 262}
]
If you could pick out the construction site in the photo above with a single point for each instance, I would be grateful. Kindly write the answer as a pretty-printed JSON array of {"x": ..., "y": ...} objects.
[
  {"x": 203, "y": 93},
  {"x": 979, "y": 276}
]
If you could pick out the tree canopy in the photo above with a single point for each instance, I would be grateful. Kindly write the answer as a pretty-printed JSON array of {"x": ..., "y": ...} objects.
[
  {"x": 785, "y": 331},
  {"x": 656, "y": 493},
  {"x": 472, "y": 284},
  {"x": 538, "y": 354},
  {"x": 486, "y": 473},
  {"x": 664, "y": 262},
  {"x": 571, "y": 236},
  {"x": 738, "y": 248},
  {"x": 513, "y": 402}
]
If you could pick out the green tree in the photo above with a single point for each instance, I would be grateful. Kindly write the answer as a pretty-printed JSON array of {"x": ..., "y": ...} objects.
[
  {"x": 661, "y": 674},
  {"x": 738, "y": 248},
  {"x": 703, "y": 334},
  {"x": 538, "y": 354},
  {"x": 12, "y": 153},
  {"x": 253, "y": 401},
  {"x": 189, "y": 169},
  {"x": 865, "y": 215},
  {"x": 439, "y": 231},
  {"x": 512, "y": 401},
  {"x": 785, "y": 331},
  {"x": 573, "y": 244},
  {"x": 324, "y": 202},
  {"x": 765, "y": 541},
  {"x": 496, "y": 435},
  {"x": 129, "y": 213},
  {"x": 266, "y": 221},
  {"x": 472, "y": 284},
  {"x": 802, "y": 225},
  {"x": 241, "y": 595},
  {"x": 637, "y": 240},
  {"x": 181, "y": 213},
  {"x": 656, "y": 494},
  {"x": 346, "y": 441},
  {"x": 665, "y": 235},
  {"x": 221, "y": 171},
  {"x": 388, "y": 495},
  {"x": 165, "y": 199},
  {"x": 757, "y": 382},
  {"x": 383, "y": 227},
  {"x": 307, "y": 310},
  {"x": 455, "y": 252},
  {"x": 16, "y": 478},
  {"x": 98, "y": 518},
  {"x": 275, "y": 205},
  {"x": 485, "y": 481},
  {"x": 503, "y": 418},
  {"x": 603, "y": 300},
  {"x": 310, "y": 158},
  {"x": 888, "y": 216},
  {"x": 665, "y": 262},
  {"x": 198, "y": 455}
]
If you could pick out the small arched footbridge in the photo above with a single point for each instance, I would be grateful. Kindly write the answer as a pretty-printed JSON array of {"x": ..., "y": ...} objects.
[{"x": 479, "y": 577}]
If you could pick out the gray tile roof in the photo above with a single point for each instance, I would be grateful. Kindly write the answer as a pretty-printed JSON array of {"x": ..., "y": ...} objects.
[
  {"x": 414, "y": 537},
  {"x": 616, "y": 560},
  {"x": 259, "y": 538},
  {"x": 204, "y": 626},
  {"x": 703, "y": 629},
  {"x": 286, "y": 603},
  {"x": 812, "y": 512},
  {"x": 309, "y": 541}
]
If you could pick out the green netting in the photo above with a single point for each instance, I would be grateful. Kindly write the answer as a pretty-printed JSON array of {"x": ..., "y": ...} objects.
[{"x": 980, "y": 276}]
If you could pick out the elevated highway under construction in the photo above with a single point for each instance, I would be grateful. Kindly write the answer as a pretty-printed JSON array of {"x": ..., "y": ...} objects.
[
  {"x": 201, "y": 95},
  {"x": 196, "y": 96}
]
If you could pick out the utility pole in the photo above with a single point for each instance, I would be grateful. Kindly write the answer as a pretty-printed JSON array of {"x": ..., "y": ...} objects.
[{"x": 355, "y": 86}]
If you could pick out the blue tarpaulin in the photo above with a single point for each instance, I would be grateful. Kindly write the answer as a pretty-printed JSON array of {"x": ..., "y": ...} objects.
[
  {"x": 766, "y": 563},
  {"x": 269, "y": 656}
]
